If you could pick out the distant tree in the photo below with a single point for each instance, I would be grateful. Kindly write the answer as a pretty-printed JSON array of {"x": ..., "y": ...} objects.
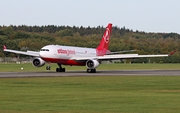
[
  {"x": 66, "y": 32},
  {"x": 21, "y": 35}
]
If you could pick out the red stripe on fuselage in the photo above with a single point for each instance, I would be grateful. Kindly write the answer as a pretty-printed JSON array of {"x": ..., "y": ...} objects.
[{"x": 65, "y": 61}]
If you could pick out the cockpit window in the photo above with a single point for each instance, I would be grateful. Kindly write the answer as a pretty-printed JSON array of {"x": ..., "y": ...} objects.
[{"x": 44, "y": 49}]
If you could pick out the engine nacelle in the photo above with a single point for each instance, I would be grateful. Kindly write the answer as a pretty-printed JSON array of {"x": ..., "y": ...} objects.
[
  {"x": 38, "y": 62},
  {"x": 92, "y": 64}
]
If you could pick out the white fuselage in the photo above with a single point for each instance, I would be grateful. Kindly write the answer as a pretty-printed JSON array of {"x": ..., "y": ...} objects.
[{"x": 65, "y": 54}]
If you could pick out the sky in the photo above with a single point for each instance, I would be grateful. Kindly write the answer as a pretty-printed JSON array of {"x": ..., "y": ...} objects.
[{"x": 142, "y": 15}]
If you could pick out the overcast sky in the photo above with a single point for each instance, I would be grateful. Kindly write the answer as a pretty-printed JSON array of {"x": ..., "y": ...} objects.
[{"x": 143, "y": 15}]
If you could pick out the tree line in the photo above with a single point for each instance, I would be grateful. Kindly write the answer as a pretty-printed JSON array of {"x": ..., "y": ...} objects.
[{"x": 34, "y": 37}]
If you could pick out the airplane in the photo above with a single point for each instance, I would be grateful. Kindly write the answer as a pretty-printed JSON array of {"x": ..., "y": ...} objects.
[{"x": 78, "y": 56}]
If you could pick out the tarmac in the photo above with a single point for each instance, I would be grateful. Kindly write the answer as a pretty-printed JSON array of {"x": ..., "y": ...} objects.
[{"x": 98, "y": 73}]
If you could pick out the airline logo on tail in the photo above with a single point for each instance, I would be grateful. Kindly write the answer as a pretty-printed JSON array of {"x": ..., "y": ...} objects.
[
  {"x": 107, "y": 35},
  {"x": 103, "y": 46}
]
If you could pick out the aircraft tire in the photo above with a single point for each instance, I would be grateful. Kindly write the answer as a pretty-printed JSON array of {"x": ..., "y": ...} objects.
[
  {"x": 88, "y": 70},
  {"x": 91, "y": 70},
  {"x": 57, "y": 69},
  {"x": 63, "y": 69},
  {"x": 48, "y": 68},
  {"x": 60, "y": 69}
]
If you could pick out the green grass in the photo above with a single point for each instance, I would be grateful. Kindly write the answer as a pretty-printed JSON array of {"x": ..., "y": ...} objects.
[
  {"x": 107, "y": 94},
  {"x": 30, "y": 68},
  {"x": 100, "y": 94}
]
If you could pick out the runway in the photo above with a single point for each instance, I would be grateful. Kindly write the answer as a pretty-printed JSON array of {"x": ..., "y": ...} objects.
[{"x": 99, "y": 73}]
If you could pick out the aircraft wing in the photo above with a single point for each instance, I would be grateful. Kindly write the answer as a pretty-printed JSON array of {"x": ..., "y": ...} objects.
[
  {"x": 114, "y": 57},
  {"x": 121, "y": 56},
  {"x": 29, "y": 53},
  {"x": 118, "y": 52}
]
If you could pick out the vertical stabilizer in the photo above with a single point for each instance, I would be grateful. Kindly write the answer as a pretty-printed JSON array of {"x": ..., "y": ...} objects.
[{"x": 104, "y": 44}]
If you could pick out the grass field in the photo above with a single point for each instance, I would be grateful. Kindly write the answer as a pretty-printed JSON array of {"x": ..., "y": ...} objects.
[
  {"x": 91, "y": 94},
  {"x": 108, "y": 94},
  {"x": 29, "y": 67}
]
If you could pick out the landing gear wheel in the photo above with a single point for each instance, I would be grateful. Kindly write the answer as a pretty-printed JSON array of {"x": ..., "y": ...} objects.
[
  {"x": 63, "y": 69},
  {"x": 60, "y": 69},
  {"x": 88, "y": 70},
  {"x": 48, "y": 68},
  {"x": 91, "y": 70}
]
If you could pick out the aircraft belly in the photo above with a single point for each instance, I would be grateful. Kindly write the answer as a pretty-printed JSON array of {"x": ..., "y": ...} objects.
[{"x": 65, "y": 61}]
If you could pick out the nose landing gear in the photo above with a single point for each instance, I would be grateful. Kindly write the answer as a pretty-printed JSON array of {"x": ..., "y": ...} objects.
[{"x": 48, "y": 67}]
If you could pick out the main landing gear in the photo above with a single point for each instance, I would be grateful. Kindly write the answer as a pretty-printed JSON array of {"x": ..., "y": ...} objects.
[
  {"x": 91, "y": 70},
  {"x": 60, "y": 69}
]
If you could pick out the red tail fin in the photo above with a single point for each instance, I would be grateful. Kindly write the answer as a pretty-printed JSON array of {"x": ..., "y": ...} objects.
[{"x": 104, "y": 44}]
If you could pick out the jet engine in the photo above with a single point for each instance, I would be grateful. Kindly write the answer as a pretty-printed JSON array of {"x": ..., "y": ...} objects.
[
  {"x": 92, "y": 64},
  {"x": 38, "y": 62}
]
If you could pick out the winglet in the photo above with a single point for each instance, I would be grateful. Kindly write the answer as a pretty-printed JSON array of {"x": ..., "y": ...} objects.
[
  {"x": 172, "y": 53},
  {"x": 4, "y": 47}
]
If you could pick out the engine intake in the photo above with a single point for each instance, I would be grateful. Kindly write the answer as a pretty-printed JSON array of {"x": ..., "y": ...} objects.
[
  {"x": 92, "y": 64},
  {"x": 38, "y": 62}
]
